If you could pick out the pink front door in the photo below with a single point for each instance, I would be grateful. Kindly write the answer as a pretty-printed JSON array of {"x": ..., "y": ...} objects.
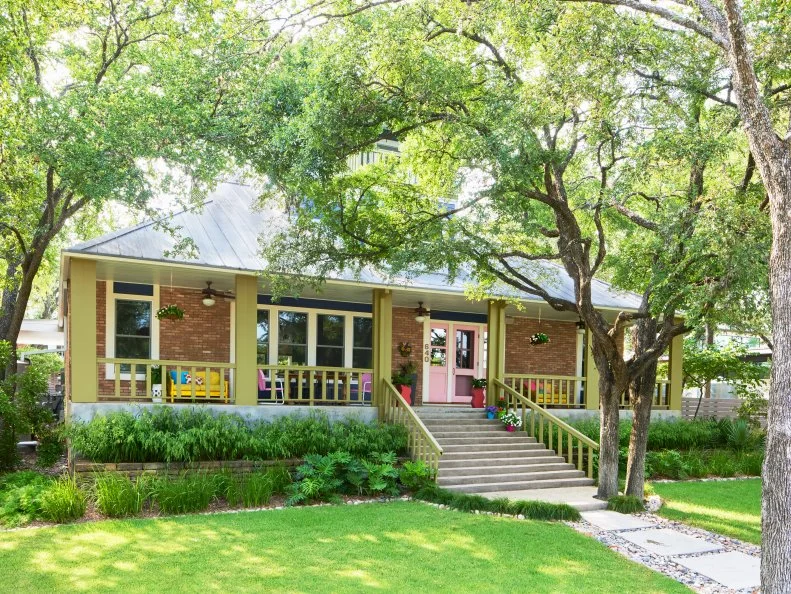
[
  {"x": 438, "y": 363},
  {"x": 465, "y": 362}
]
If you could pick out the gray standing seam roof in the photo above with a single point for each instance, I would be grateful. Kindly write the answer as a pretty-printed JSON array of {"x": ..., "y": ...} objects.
[{"x": 226, "y": 232}]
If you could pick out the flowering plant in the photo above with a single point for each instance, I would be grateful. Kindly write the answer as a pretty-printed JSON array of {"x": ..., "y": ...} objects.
[
  {"x": 170, "y": 312},
  {"x": 539, "y": 338},
  {"x": 491, "y": 409},
  {"x": 511, "y": 420}
]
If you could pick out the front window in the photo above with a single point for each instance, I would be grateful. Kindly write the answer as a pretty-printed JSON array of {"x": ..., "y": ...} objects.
[
  {"x": 329, "y": 340},
  {"x": 132, "y": 330},
  {"x": 362, "y": 353},
  {"x": 293, "y": 337},
  {"x": 262, "y": 337}
]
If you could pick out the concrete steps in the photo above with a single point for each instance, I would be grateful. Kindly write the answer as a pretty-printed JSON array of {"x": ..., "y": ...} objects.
[{"x": 480, "y": 456}]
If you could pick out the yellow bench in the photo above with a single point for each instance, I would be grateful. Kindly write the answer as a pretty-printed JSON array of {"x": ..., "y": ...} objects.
[{"x": 218, "y": 388}]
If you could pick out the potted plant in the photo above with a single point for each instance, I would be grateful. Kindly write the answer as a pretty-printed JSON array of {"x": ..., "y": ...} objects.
[
  {"x": 402, "y": 384},
  {"x": 409, "y": 372},
  {"x": 478, "y": 392},
  {"x": 491, "y": 412},
  {"x": 512, "y": 421},
  {"x": 156, "y": 384},
  {"x": 539, "y": 338},
  {"x": 170, "y": 312}
]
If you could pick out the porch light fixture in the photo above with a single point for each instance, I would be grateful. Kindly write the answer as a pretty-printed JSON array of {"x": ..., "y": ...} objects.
[
  {"x": 208, "y": 301},
  {"x": 421, "y": 313}
]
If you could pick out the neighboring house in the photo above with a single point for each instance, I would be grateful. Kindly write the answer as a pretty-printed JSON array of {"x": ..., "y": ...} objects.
[
  {"x": 41, "y": 334},
  {"x": 242, "y": 348}
]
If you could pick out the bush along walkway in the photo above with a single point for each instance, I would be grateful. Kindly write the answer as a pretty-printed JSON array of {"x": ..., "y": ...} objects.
[{"x": 704, "y": 561}]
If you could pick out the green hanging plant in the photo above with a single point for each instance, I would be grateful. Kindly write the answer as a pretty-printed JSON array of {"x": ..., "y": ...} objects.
[{"x": 170, "y": 312}]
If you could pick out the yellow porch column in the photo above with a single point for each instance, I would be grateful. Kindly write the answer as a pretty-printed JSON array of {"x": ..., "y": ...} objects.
[
  {"x": 675, "y": 372},
  {"x": 382, "y": 340},
  {"x": 495, "y": 347},
  {"x": 82, "y": 330},
  {"x": 591, "y": 376},
  {"x": 245, "y": 347}
]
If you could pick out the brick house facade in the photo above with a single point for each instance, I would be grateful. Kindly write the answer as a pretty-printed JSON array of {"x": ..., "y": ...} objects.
[{"x": 558, "y": 357}]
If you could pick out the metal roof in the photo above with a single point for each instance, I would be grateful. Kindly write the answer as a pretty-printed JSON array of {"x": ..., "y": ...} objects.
[{"x": 226, "y": 232}]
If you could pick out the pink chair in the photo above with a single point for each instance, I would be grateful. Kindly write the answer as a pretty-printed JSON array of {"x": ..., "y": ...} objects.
[
  {"x": 366, "y": 379},
  {"x": 265, "y": 384}
]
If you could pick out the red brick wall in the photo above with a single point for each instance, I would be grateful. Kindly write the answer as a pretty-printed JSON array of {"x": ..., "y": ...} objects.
[
  {"x": 203, "y": 335},
  {"x": 406, "y": 329},
  {"x": 559, "y": 357}
]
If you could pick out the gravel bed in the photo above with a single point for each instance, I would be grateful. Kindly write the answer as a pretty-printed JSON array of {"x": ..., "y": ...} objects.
[{"x": 665, "y": 564}]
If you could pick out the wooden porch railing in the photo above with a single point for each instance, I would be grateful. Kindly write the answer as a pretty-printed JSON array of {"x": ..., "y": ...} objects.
[
  {"x": 562, "y": 437},
  {"x": 121, "y": 379},
  {"x": 422, "y": 445},
  {"x": 314, "y": 385},
  {"x": 563, "y": 391},
  {"x": 661, "y": 396}
]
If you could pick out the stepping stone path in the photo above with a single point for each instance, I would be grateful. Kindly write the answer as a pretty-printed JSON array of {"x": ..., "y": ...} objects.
[{"x": 706, "y": 562}]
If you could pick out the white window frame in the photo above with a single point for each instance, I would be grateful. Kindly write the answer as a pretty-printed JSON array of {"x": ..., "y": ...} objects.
[
  {"x": 313, "y": 313},
  {"x": 109, "y": 340}
]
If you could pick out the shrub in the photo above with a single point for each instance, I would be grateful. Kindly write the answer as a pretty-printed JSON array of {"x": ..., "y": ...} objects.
[
  {"x": 665, "y": 434},
  {"x": 535, "y": 510},
  {"x": 722, "y": 464},
  {"x": 415, "y": 475},
  {"x": 117, "y": 496},
  {"x": 751, "y": 464},
  {"x": 186, "y": 435},
  {"x": 694, "y": 464},
  {"x": 668, "y": 464},
  {"x": 50, "y": 446},
  {"x": 20, "y": 497},
  {"x": 63, "y": 501},
  {"x": 184, "y": 494},
  {"x": 625, "y": 504},
  {"x": 254, "y": 489},
  {"x": 739, "y": 435}
]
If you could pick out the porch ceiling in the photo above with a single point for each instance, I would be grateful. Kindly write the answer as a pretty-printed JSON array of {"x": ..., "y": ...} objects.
[{"x": 195, "y": 276}]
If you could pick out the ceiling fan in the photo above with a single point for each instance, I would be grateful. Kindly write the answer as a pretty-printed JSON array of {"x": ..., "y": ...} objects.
[{"x": 209, "y": 295}]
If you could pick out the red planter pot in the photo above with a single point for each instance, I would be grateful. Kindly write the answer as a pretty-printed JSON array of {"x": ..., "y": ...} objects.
[
  {"x": 510, "y": 428},
  {"x": 406, "y": 393},
  {"x": 478, "y": 397}
]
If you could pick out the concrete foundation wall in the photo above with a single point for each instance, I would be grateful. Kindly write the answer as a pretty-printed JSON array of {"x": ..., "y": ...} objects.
[{"x": 85, "y": 411}]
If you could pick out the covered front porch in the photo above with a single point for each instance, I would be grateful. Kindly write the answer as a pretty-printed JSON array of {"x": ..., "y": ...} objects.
[{"x": 337, "y": 348}]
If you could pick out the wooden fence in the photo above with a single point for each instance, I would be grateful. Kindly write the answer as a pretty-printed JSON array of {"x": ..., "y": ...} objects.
[{"x": 717, "y": 408}]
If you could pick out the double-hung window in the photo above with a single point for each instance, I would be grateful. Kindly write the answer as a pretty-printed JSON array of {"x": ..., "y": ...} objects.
[
  {"x": 362, "y": 353},
  {"x": 132, "y": 330},
  {"x": 329, "y": 340},
  {"x": 292, "y": 330}
]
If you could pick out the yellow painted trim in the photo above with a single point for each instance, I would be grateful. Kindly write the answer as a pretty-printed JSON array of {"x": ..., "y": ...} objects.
[
  {"x": 82, "y": 331},
  {"x": 591, "y": 376},
  {"x": 245, "y": 344},
  {"x": 495, "y": 361},
  {"x": 675, "y": 372},
  {"x": 382, "y": 301}
]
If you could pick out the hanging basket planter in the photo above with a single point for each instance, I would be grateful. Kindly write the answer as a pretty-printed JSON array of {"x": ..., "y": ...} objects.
[
  {"x": 539, "y": 338},
  {"x": 170, "y": 312}
]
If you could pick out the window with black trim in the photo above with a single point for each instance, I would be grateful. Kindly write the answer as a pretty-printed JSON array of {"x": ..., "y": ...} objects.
[
  {"x": 293, "y": 337},
  {"x": 132, "y": 330},
  {"x": 329, "y": 340},
  {"x": 362, "y": 352},
  {"x": 262, "y": 337}
]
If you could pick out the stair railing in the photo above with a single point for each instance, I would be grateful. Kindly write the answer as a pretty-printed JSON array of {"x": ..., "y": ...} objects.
[
  {"x": 421, "y": 444},
  {"x": 556, "y": 430}
]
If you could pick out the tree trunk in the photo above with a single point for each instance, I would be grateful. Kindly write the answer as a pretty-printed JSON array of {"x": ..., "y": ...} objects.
[
  {"x": 642, "y": 398},
  {"x": 610, "y": 397},
  {"x": 709, "y": 341},
  {"x": 773, "y": 158}
]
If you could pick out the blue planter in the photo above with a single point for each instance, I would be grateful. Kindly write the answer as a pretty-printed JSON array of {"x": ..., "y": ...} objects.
[{"x": 489, "y": 415}]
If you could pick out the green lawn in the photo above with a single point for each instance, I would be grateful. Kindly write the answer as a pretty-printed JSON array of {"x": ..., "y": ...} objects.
[
  {"x": 732, "y": 508},
  {"x": 396, "y": 547}
]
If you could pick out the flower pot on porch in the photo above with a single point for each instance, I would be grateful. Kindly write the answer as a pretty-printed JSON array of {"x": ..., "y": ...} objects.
[
  {"x": 406, "y": 393},
  {"x": 510, "y": 428},
  {"x": 478, "y": 397},
  {"x": 491, "y": 415},
  {"x": 156, "y": 393}
]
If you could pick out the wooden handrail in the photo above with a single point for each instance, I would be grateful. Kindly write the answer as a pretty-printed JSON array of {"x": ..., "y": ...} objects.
[
  {"x": 168, "y": 362},
  {"x": 555, "y": 423},
  {"x": 579, "y": 378},
  {"x": 422, "y": 444}
]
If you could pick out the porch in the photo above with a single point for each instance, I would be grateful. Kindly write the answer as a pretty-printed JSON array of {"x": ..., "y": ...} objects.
[{"x": 248, "y": 351}]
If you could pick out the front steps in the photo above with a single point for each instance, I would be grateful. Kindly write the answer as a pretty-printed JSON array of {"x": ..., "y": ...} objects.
[{"x": 480, "y": 456}]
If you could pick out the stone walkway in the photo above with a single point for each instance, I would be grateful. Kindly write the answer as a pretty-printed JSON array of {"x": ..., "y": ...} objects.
[{"x": 706, "y": 562}]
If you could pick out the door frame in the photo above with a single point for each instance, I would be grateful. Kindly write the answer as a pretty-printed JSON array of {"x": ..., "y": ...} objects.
[{"x": 480, "y": 363}]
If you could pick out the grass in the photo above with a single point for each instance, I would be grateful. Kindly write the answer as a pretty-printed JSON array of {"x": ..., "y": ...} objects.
[
  {"x": 395, "y": 547},
  {"x": 625, "y": 504},
  {"x": 732, "y": 508}
]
